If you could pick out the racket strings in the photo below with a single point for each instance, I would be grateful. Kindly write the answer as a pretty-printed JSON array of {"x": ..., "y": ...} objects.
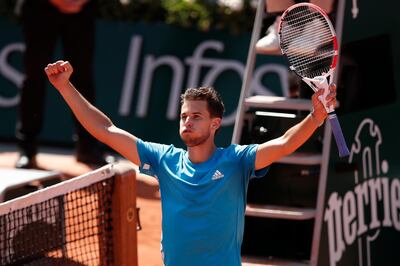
[
  {"x": 309, "y": 45},
  {"x": 317, "y": 57},
  {"x": 306, "y": 64},
  {"x": 315, "y": 30},
  {"x": 307, "y": 41},
  {"x": 322, "y": 60},
  {"x": 300, "y": 19},
  {"x": 311, "y": 71},
  {"x": 323, "y": 34},
  {"x": 301, "y": 15}
]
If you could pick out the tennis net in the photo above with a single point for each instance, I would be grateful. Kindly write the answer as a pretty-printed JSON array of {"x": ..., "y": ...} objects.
[{"x": 75, "y": 222}]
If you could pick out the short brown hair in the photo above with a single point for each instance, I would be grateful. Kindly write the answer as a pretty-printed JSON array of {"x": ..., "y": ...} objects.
[{"x": 208, "y": 94}]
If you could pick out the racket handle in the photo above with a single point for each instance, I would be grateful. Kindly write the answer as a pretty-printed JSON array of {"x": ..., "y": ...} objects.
[{"x": 337, "y": 132}]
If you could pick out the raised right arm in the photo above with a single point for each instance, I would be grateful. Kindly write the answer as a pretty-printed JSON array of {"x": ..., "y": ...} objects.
[{"x": 91, "y": 118}]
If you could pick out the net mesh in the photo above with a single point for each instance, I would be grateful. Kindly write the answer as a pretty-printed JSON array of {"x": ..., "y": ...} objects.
[
  {"x": 74, "y": 228},
  {"x": 308, "y": 41}
]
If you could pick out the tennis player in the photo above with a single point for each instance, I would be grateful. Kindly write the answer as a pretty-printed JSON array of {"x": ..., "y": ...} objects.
[{"x": 203, "y": 188}]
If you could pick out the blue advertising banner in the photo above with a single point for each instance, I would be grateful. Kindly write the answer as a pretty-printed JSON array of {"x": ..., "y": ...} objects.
[{"x": 141, "y": 70}]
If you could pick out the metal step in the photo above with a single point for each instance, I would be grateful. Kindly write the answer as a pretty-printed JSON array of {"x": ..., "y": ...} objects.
[
  {"x": 279, "y": 212},
  {"x": 256, "y": 261},
  {"x": 302, "y": 158},
  {"x": 275, "y": 102}
]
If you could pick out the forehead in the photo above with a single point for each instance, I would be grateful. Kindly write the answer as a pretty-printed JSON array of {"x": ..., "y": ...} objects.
[{"x": 194, "y": 106}]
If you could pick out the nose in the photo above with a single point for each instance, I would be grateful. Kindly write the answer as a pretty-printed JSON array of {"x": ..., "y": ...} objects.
[{"x": 188, "y": 122}]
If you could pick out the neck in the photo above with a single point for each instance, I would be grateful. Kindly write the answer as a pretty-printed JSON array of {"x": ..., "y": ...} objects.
[{"x": 201, "y": 153}]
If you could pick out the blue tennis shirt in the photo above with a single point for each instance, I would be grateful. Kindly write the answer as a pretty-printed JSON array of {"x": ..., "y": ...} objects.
[{"x": 202, "y": 204}]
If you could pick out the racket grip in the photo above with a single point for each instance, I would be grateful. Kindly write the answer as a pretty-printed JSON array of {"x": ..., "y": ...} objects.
[{"x": 337, "y": 132}]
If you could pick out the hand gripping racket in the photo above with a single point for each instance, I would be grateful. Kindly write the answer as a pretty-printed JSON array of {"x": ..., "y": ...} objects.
[{"x": 308, "y": 40}]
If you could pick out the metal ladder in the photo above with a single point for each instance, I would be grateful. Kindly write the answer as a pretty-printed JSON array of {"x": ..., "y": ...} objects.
[{"x": 247, "y": 102}]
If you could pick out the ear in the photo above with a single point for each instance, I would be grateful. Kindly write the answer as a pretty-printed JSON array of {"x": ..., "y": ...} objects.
[{"x": 216, "y": 123}]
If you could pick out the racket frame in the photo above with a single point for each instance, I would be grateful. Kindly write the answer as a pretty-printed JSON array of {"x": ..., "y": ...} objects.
[{"x": 323, "y": 81}]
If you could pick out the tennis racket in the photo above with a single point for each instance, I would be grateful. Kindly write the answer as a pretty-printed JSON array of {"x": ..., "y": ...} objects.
[{"x": 308, "y": 40}]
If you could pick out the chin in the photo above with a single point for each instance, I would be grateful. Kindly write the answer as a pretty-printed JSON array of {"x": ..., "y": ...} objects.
[
  {"x": 193, "y": 141},
  {"x": 189, "y": 142}
]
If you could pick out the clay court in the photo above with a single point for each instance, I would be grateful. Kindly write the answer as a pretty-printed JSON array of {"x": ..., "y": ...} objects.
[{"x": 148, "y": 198}]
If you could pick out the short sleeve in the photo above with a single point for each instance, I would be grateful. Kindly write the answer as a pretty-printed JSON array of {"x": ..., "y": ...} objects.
[
  {"x": 150, "y": 155},
  {"x": 247, "y": 155}
]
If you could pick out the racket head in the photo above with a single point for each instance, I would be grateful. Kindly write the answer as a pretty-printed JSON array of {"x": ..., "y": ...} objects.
[{"x": 308, "y": 40}]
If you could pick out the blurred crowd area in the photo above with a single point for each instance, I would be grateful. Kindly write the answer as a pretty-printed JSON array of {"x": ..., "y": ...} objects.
[{"x": 235, "y": 16}]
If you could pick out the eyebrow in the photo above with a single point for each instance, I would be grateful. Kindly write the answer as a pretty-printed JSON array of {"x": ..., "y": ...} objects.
[{"x": 194, "y": 113}]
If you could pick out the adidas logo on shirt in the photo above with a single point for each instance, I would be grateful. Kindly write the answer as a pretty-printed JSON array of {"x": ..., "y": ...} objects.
[{"x": 217, "y": 175}]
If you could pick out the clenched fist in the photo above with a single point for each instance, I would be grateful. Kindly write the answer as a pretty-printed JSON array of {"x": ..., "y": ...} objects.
[{"x": 59, "y": 73}]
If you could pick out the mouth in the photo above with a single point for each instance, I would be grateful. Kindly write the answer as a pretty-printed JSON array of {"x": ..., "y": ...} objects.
[{"x": 185, "y": 131}]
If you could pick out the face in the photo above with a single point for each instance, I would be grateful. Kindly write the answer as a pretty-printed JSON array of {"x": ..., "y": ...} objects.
[{"x": 196, "y": 126}]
